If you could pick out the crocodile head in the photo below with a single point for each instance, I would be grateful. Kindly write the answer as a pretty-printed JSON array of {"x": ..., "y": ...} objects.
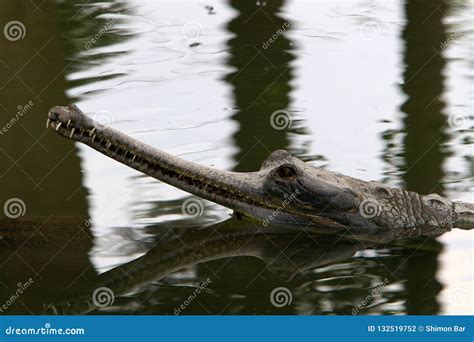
[{"x": 284, "y": 190}]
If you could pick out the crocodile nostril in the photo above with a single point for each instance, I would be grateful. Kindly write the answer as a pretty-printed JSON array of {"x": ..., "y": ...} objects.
[{"x": 53, "y": 114}]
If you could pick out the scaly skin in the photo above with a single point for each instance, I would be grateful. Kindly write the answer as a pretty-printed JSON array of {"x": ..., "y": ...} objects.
[{"x": 285, "y": 190}]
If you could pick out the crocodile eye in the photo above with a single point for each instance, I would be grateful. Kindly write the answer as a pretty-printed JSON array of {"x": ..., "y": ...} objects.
[{"x": 286, "y": 171}]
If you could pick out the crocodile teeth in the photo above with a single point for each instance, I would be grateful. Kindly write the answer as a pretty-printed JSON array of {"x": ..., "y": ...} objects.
[
  {"x": 72, "y": 132},
  {"x": 68, "y": 123},
  {"x": 92, "y": 131},
  {"x": 93, "y": 137},
  {"x": 48, "y": 121},
  {"x": 109, "y": 144},
  {"x": 133, "y": 158},
  {"x": 58, "y": 126}
]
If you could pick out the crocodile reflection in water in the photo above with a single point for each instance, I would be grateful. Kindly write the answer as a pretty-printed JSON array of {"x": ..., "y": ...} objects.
[{"x": 287, "y": 253}]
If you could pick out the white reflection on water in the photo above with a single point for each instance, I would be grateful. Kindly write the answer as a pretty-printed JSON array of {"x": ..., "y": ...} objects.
[{"x": 171, "y": 95}]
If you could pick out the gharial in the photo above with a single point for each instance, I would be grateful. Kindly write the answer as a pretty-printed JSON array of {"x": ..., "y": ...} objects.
[{"x": 285, "y": 190}]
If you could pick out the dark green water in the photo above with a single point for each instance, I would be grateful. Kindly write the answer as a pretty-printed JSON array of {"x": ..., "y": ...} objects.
[{"x": 375, "y": 91}]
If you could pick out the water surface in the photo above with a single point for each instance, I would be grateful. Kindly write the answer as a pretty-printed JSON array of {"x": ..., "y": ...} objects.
[{"x": 375, "y": 90}]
